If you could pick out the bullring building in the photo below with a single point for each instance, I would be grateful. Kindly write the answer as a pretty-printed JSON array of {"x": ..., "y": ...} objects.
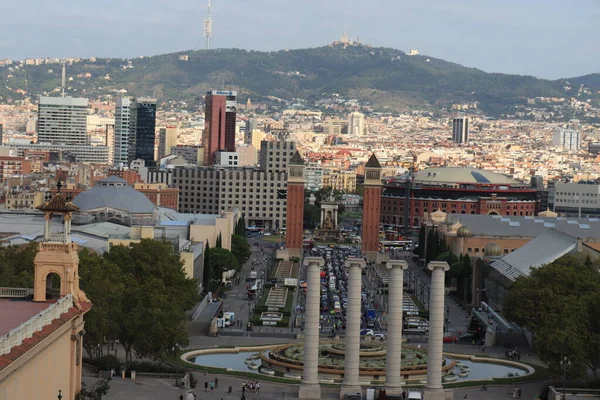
[{"x": 454, "y": 190}]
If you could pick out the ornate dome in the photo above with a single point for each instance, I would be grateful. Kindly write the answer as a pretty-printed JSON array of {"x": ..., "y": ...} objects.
[
  {"x": 548, "y": 213},
  {"x": 438, "y": 216},
  {"x": 464, "y": 231},
  {"x": 492, "y": 250},
  {"x": 114, "y": 193}
]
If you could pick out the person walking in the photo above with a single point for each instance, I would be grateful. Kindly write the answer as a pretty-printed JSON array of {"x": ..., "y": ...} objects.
[
  {"x": 216, "y": 383},
  {"x": 205, "y": 386},
  {"x": 212, "y": 386}
]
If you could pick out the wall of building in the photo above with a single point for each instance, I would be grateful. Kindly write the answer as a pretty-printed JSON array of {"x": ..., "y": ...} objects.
[
  {"x": 473, "y": 246},
  {"x": 47, "y": 368}
]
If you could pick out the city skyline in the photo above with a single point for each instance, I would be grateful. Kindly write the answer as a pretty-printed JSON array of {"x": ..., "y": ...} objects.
[{"x": 498, "y": 37}]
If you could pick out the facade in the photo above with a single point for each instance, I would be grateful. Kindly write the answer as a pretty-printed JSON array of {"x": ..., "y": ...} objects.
[
  {"x": 274, "y": 156},
  {"x": 343, "y": 181},
  {"x": 372, "y": 190},
  {"x": 226, "y": 159},
  {"x": 594, "y": 148},
  {"x": 62, "y": 120},
  {"x": 13, "y": 166},
  {"x": 209, "y": 190},
  {"x": 313, "y": 176},
  {"x": 1, "y": 134},
  {"x": 142, "y": 130},
  {"x": 219, "y": 123},
  {"x": 455, "y": 190},
  {"x": 460, "y": 130},
  {"x": 23, "y": 200},
  {"x": 167, "y": 139},
  {"x": 566, "y": 138},
  {"x": 576, "y": 199},
  {"x": 192, "y": 154},
  {"x": 75, "y": 153},
  {"x": 121, "y": 134},
  {"x": 248, "y": 157},
  {"x": 356, "y": 124},
  {"x": 159, "y": 194}
]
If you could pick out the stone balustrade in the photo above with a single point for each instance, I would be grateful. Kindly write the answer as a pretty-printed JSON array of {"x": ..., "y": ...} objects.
[
  {"x": 15, "y": 292},
  {"x": 26, "y": 330}
]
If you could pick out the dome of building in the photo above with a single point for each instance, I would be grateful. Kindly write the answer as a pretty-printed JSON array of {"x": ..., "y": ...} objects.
[
  {"x": 114, "y": 193},
  {"x": 492, "y": 250},
  {"x": 464, "y": 231},
  {"x": 548, "y": 213},
  {"x": 464, "y": 175},
  {"x": 438, "y": 216}
]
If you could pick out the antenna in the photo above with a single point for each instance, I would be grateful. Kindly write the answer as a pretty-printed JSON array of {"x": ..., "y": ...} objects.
[
  {"x": 64, "y": 76},
  {"x": 208, "y": 27}
]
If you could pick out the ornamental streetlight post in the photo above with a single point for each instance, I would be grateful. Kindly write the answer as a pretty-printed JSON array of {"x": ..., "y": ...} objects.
[
  {"x": 565, "y": 363},
  {"x": 59, "y": 397}
]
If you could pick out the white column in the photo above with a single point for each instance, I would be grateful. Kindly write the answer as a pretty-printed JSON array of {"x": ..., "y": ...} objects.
[
  {"x": 310, "y": 388},
  {"x": 335, "y": 216},
  {"x": 48, "y": 218},
  {"x": 322, "y": 218},
  {"x": 393, "y": 377},
  {"x": 433, "y": 388},
  {"x": 351, "y": 383}
]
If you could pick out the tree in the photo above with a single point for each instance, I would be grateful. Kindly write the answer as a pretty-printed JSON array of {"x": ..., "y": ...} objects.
[
  {"x": 240, "y": 248},
  {"x": 102, "y": 283},
  {"x": 219, "y": 260},
  {"x": 219, "y": 241},
  {"x": 95, "y": 392},
  {"x": 312, "y": 216},
  {"x": 155, "y": 297},
  {"x": 560, "y": 303},
  {"x": 16, "y": 265},
  {"x": 240, "y": 227}
]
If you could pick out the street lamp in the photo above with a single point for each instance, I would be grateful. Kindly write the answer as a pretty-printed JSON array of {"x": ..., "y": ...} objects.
[
  {"x": 59, "y": 397},
  {"x": 565, "y": 363}
]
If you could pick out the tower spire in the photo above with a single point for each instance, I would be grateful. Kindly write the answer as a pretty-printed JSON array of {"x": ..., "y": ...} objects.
[
  {"x": 64, "y": 77},
  {"x": 208, "y": 27}
]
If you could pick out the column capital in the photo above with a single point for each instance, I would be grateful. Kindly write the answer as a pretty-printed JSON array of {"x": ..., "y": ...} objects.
[
  {"x": 443, "y": 265},
  {"x": 314, "y": 260},
  {"x": 390, "y": 264},
  {"x": 358, "y": 262}
]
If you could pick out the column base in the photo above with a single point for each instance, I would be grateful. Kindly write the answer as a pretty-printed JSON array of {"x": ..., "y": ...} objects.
[
  {"x": 393, "y": 390},
  {"x": 434, "y": 394},
  {"x": 371, "y": 255},
  {"x": 309, "y": 391},
  {"x": 350, "y": 389},
  {"x": 294, "y": 253}
]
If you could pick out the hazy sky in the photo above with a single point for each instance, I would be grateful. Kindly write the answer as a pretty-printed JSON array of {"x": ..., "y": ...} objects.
[{"x": 545, "y": 38}]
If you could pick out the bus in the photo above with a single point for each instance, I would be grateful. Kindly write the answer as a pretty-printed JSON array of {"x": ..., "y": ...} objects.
[
  {"x": 252, "y": 231},
  {"x": 394, "y": 244},
  {"x": 416, "y": 325}
]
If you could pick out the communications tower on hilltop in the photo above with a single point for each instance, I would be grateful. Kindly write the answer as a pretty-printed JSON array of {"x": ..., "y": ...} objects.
[{"x": 208, "y": 27}]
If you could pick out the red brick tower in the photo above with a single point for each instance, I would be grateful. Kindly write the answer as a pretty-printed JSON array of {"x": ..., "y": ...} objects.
[
  {"x": 295, "y": 206},
  {"x": 371, "y": 208}
]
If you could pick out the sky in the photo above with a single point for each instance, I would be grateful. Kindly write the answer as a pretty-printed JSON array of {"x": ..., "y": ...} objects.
[{"x": 544, "y": 38}]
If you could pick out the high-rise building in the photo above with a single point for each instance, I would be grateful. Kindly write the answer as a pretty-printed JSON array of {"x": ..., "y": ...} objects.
[
  {"x": 121, "y": 136},
  {"x": 142, "y": 130},
  {"x": 275, "y": 155},
  {"x": 356, "y": 124},
  {"x": 219, "y": 123},
  {"x": 1, "y": 133},
  {"x": 567, "y": 138},
  {"x": 62, "y": 120},
  {"x": 460, "y": 130},
  {"x": 167, "y": 139}
]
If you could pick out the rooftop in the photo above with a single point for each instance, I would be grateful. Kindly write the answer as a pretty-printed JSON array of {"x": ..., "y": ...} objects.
[
  {"x": 14, "y": 312},
  {"x": 464, "y": 175}
]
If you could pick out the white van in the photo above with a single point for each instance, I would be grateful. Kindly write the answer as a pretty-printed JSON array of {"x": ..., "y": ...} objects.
[{"x": 414, "y": 395}]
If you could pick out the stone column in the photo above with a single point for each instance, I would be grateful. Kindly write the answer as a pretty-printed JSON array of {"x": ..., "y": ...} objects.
[
  {"x": 433, "y": 388},
  {"x": 310, "y": 388},
  {"x": 351, "y": 383},
  {"x": 394, "y": 340}
]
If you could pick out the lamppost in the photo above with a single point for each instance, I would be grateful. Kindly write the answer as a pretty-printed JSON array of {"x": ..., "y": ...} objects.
[
  {"x": 59, "y": 397},
  {"x": 565, "y": 363}
]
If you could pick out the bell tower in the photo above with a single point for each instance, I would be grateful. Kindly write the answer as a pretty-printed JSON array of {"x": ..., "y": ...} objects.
[
  {"x": 371, "y": 208},
  {"x": 57, "y": 253},
  {"x": 294, "y": 219}
]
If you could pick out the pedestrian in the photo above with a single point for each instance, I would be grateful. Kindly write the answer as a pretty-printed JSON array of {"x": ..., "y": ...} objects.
[
  {"x": 216, "y": 383},
  {"x": 515, "y": 393},
  {"x": 519, "y": 393},
  {"x": 205, "y": 386},
  {"x": 212, "y": 386},
  {"x": 181, "y": 397}
]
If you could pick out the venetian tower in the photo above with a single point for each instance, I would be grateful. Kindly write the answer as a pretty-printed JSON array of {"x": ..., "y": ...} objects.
[
  {"x": 295, "y": 206},
  {"x": 371, "y": 208}
]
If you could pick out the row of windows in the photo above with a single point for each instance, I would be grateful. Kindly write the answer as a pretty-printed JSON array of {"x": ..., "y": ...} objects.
[{"x": 577, "y": 194}]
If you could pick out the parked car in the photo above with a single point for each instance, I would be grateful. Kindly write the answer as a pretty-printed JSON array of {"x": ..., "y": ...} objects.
[
  {"x": 467, "y": 337},
  {"x": 367, "y": 332},
  {"x": 450, "y": 339},
  {"x": 379, "y": 336}
]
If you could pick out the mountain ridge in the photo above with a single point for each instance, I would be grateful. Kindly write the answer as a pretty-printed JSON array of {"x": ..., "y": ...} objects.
[{"x": 384, "y": 77}]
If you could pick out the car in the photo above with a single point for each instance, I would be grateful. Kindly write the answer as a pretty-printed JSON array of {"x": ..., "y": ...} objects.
[
  {"x": 450, "y": 339},
  {"x": 367, "y": 332},
  {"x": 467, "y": 337},
  {"x": 267, "y": 234},
  {"x": 379, "y": 336}
]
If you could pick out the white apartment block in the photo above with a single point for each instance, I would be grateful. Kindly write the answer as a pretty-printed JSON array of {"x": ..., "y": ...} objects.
[
  {"x": 313, "y": 176},
  {"x": 567, "y": 138},
  {"x": 356, "y": 124},
  {"x": 576, "y": 199},
  {"x": 121, "y": 134},
  {"x": 62, "y": 120}
]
